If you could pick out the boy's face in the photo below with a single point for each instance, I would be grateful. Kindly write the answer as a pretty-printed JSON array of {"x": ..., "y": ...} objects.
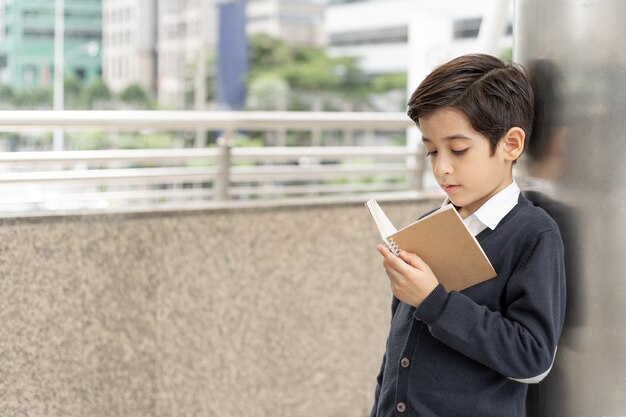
[{"x": 461, "y": 159}]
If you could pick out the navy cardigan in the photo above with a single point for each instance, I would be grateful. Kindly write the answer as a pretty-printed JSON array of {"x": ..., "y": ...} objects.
[{"x": 471, "y": 353}]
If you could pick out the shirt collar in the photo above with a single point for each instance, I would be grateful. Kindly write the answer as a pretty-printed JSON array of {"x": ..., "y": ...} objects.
[{"x": 493, "y": 210}]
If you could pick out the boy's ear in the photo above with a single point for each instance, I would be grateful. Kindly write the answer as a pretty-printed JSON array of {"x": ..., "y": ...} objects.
[{"x": 513, "y": 143}]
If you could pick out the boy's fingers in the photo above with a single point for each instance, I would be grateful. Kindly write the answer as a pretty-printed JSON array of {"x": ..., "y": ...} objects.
[
  {"x": 413, "y": 260},
  {"x": 404, "y": 262},
  {"x": 386, "y": 252},
  {"x": 382, "y": 249},
  {"x": 392, "y": 260}
]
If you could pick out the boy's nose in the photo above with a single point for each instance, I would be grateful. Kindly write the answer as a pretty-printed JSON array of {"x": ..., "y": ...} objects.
[{"x": 443, "y": 167}]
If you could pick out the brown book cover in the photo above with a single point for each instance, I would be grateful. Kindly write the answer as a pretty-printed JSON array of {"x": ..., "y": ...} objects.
[{"x": 443, "y": 241}]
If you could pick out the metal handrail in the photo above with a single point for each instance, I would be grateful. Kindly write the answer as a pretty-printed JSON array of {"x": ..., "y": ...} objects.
[
  {"x": 254, "y": 153},
  {"x": 209, "y": 120},
  {"x": 143, "y": 155},
  {"x": 218, "y": 173},
  {"x": 109, "y": 175}
]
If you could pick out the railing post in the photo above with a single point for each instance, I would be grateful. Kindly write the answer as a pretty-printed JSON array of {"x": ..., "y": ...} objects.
[
  {"x": 416, "y": 159},
  {"x": 420, "y": 171},
  {"x": 222, "y": 183}
]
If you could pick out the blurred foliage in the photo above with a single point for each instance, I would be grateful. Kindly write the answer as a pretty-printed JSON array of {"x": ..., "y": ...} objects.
[
  {"x": 86, "y": 141},
  {"x": 386, "y": 82},
  {"x": 35, "y": 99},
  {"x": 136, "y": 97},
  {"x": 77, "y": 95},
  {"x": 245, "y": 141},
  {"x": 281, "y": 77},
  {"x": 268, "y": 91},
  {"x": 72, "y": 89},
  {"x": 287, "y": 77},
  {"x": 506, "y": 54},
  {"x": 82, "y": 141},
  {"x": 97, "y": 94},
  {"x": 130, "y": 140},
  {"x": 6, "y": 96}
]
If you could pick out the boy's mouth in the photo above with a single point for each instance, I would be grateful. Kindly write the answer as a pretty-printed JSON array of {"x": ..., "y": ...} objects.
[{"x": 449, "y": 188}]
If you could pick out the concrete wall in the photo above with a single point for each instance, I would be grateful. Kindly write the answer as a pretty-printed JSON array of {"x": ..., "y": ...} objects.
[{"x": 248, "y": 312}]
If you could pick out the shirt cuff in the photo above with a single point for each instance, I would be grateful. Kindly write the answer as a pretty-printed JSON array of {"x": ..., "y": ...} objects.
[{"x": 433, "y": 305}]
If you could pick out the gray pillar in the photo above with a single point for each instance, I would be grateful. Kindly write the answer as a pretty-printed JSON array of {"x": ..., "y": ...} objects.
[{"x": 574, "y": 52}]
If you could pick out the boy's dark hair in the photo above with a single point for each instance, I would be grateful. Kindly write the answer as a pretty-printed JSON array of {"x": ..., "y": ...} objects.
[{"x": 495, "y": 96}]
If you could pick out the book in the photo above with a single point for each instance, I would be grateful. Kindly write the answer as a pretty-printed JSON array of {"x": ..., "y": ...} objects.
[{"x": 443, "y": 241}]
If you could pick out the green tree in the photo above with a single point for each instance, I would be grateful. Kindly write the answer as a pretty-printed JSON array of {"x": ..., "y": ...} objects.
[
  {"x": 315, "y": 80},
  {"x": 7, "y": 97},
  {"x": 97, "y": 94},
  {"x": 35, "y": 99},
  {"x": 73, "y": 93},
  {"x": 506, "y": 54},
  {"x": 267, "y": 53},
  {"x": 136, "y": 97},
  {"x": 267, "y": 92},
  {"x": 389, "y": 82}
]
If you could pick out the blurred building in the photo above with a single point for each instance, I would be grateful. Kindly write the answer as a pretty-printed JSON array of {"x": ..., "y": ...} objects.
[
  {"x": 299, "y": 22},
  {"x": 188, "y": 31},
  {"x": 186, "y": 39},
  {"x": 27, "y": 42},
  {"x": 129, "y": 33},
  {"x": 3, "y": 53},
  {"x": 378, "y": 32}
]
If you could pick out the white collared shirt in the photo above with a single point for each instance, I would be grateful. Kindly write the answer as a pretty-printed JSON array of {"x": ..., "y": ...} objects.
[{"x": 493, "y": 210}]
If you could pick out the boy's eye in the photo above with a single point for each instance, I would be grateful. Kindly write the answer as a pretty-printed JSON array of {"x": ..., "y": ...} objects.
[
  {"x": 459, "y": 152},
  {"x": 431, "y": 153}
]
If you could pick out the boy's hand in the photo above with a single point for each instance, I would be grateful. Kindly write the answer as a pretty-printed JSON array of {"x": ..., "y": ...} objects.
[{"x": 411, "y": 279}]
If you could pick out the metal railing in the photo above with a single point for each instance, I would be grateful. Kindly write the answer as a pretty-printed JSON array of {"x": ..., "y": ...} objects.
[{"x": 47, "y": 181}]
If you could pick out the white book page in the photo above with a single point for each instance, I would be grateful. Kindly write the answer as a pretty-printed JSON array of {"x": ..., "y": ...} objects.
[{"x": 383, "y": 223}]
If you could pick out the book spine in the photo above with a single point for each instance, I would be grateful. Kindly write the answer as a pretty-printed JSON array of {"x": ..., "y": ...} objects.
[{"x": 393, "y": 247}]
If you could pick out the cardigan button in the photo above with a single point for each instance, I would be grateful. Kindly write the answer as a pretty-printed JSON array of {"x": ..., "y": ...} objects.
[
  {"x": 405, "y": 362},
  {"x": 401, "y": 407}
]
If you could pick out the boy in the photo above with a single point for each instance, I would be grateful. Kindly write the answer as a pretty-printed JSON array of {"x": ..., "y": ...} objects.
[{"x": 471, "y": 353}]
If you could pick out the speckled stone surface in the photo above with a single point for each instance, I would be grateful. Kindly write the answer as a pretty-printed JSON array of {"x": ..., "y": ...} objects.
[{"x": 277, "y": 312}]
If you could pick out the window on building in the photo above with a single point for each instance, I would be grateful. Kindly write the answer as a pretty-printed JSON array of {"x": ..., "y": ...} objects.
[
  {"x": 299, "y": 18},
  {"x": 83, "y": 34},
  {"x": 370, "y": 37},
  {"x": 80, "y": 72},
  {"x": 469, "y": 28},
  {"x": 37, "y": 33},
  {"x": 80, "y": 14},
  {"x": 466, "y": 28},
  {"x": 28, "y": 13},
  {"x": 259, "y": 18}
]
